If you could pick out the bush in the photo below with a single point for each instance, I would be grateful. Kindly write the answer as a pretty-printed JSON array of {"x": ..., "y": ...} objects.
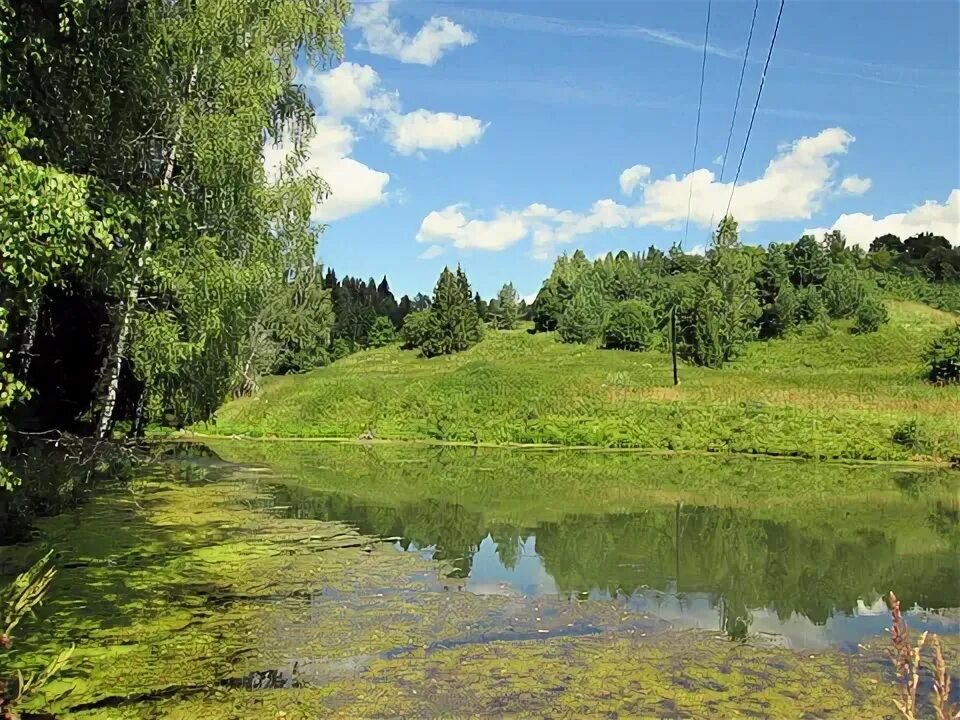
[
  {"x": 942, "y": 357},
  {"x": 416, "y": 329},
  {"x": 581, "y": 321},
  {"x": 871, "y": 316},
  {"x": 810, "y": 306},
  {"x": 843, "y": 291},
  {"x": 629, "y": 326},
  {"x": 339, "y": 349},
  {"x": 381, "y": 332}
]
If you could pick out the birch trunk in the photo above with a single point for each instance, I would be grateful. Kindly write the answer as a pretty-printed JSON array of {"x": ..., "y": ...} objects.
[
  {"x": 29, "y": 338},
  {"x": 110, "y": 375}
]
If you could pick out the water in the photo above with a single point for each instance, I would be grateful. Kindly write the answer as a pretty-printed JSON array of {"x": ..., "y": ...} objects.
[
  {"x": 808, "y": 569},
  {"x": 356, "y": 581}
]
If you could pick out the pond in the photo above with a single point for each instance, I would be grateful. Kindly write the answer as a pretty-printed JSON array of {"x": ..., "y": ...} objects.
[{"x": 384, "y": 580}]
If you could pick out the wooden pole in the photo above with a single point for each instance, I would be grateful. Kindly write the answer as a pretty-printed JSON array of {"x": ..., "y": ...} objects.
[{"x": 673, "y": 343}]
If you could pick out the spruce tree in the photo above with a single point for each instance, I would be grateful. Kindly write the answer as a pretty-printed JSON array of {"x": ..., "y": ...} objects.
[
  {"x": 454, "y": 324},
  {"x": 508, "y": 309}
]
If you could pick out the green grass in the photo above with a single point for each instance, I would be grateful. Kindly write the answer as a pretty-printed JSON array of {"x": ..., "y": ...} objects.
[{"x": 842, "y": 396}]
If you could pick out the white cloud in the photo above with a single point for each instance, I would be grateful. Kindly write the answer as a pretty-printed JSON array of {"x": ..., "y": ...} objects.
[
  {"x": 425, "y": 130},
  {"x": 451, "y": 225},
  {"x": 354, "y": 92},
  {"x": 354, "y": 186},
  {"x": 633, "y": 176},
  {"x": 351, "y": 90},
  {"x": 792, "y": 187},
  {"x": 383, "y": 36},
  {"x": 938, "y": 218},
  {"x": 431, "y": 252},
  {"x": 855, "y": 185}
]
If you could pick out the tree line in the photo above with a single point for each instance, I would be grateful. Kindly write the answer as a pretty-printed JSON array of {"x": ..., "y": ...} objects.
[
  {"x": 735, "y": 293},
  {"x": 144, "y": 246}
]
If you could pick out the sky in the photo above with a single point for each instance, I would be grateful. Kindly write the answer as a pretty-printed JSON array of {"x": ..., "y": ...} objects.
[{"x": 497, "y": 135}]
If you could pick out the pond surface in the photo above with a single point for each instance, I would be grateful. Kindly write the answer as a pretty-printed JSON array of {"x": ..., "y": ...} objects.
[
  {"x": 249, "y": 579},
  {"x": 811, "y": 570}
]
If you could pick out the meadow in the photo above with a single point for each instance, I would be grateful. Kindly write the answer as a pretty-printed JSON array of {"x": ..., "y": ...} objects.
[{"x": 818, "y": 394}]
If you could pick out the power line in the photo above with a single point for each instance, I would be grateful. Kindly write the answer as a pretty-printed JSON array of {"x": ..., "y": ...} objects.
[
  {"x": 736, "y": 104},
  {"x": 756, "y": 104},
  {"x": 696, "y": 137}
]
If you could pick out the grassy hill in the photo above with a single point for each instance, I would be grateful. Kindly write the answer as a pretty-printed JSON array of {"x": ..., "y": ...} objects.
[{"x": 839, "y": 396}]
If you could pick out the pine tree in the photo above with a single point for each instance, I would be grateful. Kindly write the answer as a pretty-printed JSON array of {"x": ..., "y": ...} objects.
[
  {"x": 508, "y": 309},
  {"x": 454, "y": 324}
]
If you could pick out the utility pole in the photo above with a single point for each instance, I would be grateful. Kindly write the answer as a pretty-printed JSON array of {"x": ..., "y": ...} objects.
[{"x": 673, "y": 343}]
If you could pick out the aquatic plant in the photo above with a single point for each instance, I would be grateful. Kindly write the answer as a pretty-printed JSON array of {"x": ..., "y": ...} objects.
[
  {"x": 16, "y": 602},
  {"x": 907, "y": 659}
]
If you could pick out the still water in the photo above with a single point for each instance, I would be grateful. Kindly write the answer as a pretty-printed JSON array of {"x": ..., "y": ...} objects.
[
  {"x": 799, "y": 554},
  {"x": 303, "y": 580}
]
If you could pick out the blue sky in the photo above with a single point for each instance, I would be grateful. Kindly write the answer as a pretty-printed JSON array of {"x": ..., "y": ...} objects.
[{"x": 495, "y": 134}]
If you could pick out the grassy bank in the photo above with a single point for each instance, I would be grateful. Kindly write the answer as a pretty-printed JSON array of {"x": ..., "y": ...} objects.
[{"x": 838, "y": 396}]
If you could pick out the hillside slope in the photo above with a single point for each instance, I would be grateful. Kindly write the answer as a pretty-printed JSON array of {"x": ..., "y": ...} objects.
[{"x": 842, "y": 396}]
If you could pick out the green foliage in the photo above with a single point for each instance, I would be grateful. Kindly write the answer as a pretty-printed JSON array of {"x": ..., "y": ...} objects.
[
  {"x": 843, "y": 291},
  {"x": 507, "y": 308},
  {"x": 339, "y": 349},
  {"x": 808, "y": 262},
  {"x": 629, "y": 325},
  {"x": 416, "y": 329},
  {"x": 719, "y": 313},
  {"x": 871, "y": 316},
  {"x": 454, "y": 325},
  {"x": 381, "y": 332},
  {"x": 17, "y": 601},
  {"x": 835, "y": 397},
  {"x": 941, "y": 358},
  {"x": 163, "y": 110},
  {"x": 550, "y": 302},
  {"x": 582, "y": 319}
]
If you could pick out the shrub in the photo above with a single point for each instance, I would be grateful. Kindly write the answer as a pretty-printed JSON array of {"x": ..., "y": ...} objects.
[
  {"x": 909, "y": 435},
  {"x": 843, "y": 291},
  {"x": 340, "y": 349},
  {"x": 416, "y": 329},
  {"x": 810, "y": 306},
  {"x": 581, "y": 321},
  {"x": 871, "y": 316},
  {"x": 381, "y": 332},
  {"x": 629, "y": 326},
  {"x": 942, "y": 357}
]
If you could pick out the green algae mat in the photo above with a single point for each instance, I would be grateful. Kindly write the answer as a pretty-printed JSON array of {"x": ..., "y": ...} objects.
[{"x": 295, "y": 580}]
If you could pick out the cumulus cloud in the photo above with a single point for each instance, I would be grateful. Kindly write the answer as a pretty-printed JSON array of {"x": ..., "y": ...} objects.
[
  {"x": 353, "y": 98},
  {"x": 425, "y": 130},
  {"x": 354, "y": 186},
  {"x": 633, "y": 176},
  {"x": 352, "y": 90},
  {"x": 938, "y": 218},
  {"x": 382, "y": 35},
  {"x": 855, "y": 185},
  {"x": 792, "y": 187}
]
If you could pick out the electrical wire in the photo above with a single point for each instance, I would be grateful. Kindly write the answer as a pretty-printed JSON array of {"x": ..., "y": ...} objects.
[
  {"x": 696, "y": 137},
  {"x": 756, "y": 104},
  {"x": 736, "y": 104}
]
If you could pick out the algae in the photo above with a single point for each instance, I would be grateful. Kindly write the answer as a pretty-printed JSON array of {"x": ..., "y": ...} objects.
[{"x": 196, "y": 595}]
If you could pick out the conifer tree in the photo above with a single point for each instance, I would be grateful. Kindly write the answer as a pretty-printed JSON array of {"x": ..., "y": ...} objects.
[
  {"x": 508, "y": 308},
  {"x": 454, "y": 324}
]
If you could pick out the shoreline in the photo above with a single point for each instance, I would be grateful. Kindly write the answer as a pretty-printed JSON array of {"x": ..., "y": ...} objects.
[{"x": 187, "y": 436}]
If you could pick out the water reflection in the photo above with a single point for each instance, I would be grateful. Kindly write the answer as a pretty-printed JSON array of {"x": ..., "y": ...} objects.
[{"x": 813, "y": 583}]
